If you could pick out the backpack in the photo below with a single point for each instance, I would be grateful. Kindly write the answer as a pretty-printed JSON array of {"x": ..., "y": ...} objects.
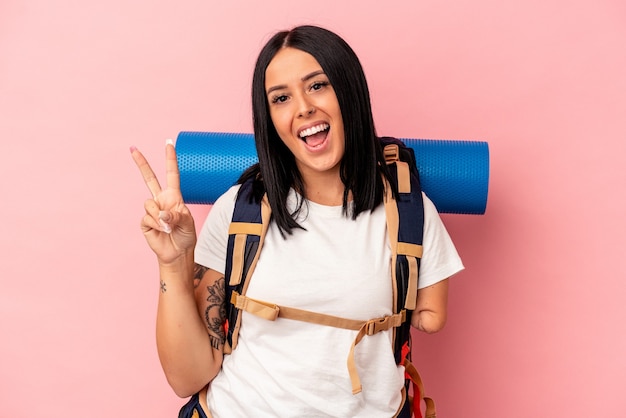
[{"x": 405, "y": 225}]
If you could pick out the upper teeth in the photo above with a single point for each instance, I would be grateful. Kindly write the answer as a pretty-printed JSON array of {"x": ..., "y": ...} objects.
[{"x": 314, "y": 130}]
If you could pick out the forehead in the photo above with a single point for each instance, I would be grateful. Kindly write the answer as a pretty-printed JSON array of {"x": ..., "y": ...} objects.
[{"x": 290, "y": 65}]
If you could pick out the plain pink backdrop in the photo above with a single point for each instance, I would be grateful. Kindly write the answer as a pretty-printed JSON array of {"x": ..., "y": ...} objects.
[{"x": 536, "y": 322}]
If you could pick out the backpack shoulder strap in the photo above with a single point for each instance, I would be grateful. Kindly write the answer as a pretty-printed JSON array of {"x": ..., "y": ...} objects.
[
  {"x": 405, "y": 225},
  {"x": 245, "y": 238}
]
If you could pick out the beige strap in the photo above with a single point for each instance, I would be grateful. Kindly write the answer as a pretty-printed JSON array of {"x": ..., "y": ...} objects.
[
  {"x": 404, "y": 177},
  {"x": 414, "y": 250},
  {"x": 247, "y": 228},
  {"x": 411, "y": 251},
  {"x": 318, "y": 318},
  {"x": 259, "y": 308},
  {"x": 241, "y": 230},
  {"x": 239, "y": 250},
  {"x": 370, "y": 327},
  {"x": 415, "y": 377},
  {"x": 270, "y": 311},
  {"x": 393, "y": 222},
  {"x": 392, "y": 153},
  {"x": 266, "y": 213}
]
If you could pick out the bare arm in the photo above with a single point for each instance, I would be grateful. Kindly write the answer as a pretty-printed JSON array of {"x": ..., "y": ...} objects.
[
  {"x": 431, "y": 312},
  {"x": 188, "y": 354},
  {"x": 210, "y": 293},
  {"x": 185, "y": 350}
]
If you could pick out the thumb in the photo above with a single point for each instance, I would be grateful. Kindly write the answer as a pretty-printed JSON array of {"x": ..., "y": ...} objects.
[
  {"x": 168, "y": 219},
  {"x": 165, "y": 219}
]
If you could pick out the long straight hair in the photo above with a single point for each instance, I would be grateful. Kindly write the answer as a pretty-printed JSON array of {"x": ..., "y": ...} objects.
[{"x": 363, "y": 162}]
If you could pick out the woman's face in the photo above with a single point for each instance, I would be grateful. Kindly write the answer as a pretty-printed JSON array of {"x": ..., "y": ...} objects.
[{"x": 305, "y": 112}]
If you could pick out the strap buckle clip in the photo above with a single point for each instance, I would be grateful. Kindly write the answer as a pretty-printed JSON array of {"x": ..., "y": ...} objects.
[{"x": 374, "y": 326}]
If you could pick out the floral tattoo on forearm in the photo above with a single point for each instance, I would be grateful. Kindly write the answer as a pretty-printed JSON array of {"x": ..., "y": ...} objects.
[{"x": 215, "y": 312}]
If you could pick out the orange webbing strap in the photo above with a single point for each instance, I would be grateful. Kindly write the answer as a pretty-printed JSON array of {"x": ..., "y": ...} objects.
[
  {"x": 271, "y": 311},
  {"x": 418, "y": 392}
]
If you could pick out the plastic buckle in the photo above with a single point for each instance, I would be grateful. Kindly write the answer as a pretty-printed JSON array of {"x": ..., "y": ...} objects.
[{"x": 376, "y": 325}]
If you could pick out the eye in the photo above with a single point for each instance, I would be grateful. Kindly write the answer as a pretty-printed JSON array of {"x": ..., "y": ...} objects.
[
  {"x": 318, "y": 85},
  {"x": 280, "y": 98}
]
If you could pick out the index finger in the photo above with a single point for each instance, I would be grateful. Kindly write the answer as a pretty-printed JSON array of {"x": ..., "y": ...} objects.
[
  {"x": 146, "y": 171},
  {"x": 171, "y": 166}
]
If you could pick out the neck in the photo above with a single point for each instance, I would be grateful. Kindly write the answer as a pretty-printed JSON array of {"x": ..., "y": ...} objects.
[{"x": 324, "y": 188}]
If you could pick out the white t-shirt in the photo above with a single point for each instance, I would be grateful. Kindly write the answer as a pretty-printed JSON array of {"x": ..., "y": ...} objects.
[{"x": 337, "y": 266}]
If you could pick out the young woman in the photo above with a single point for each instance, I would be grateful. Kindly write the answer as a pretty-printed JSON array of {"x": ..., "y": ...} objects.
[{"x": 322, "y": 169}]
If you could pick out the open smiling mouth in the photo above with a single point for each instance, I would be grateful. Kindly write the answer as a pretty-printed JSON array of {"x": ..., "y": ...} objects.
[{"x": 315, "y": 135}]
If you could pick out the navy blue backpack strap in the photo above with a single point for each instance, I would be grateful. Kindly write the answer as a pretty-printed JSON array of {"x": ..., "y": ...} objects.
[
  {"x": 405, "y": 222},
  {"x": 245, "y": 238}
]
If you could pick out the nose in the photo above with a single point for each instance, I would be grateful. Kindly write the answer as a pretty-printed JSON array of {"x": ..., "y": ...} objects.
[{"x": 306, "y": 108}]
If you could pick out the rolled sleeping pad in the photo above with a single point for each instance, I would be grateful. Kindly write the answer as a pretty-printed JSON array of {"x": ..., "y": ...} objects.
[{"x": 454, "y": 174}]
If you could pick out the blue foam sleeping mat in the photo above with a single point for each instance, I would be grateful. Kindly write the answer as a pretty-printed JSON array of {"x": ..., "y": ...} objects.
[{"x": 454, "y": 174}]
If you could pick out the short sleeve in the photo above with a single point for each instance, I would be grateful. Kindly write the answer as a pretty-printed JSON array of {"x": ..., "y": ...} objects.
[
  {"x": 440, "y": 258},
  {"x": 210, "y": 249}
]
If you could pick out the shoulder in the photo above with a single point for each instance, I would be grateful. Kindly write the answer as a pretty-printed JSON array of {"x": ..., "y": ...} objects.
[
  {"x": 434, "y": 227},
  {"x": 210, "y": 248},
  {"x": 429, "y": 207},
  {"x": 440, "y": 258},
  {"x": 221, "y": 212},
  {"x": 226, "y": 202}
]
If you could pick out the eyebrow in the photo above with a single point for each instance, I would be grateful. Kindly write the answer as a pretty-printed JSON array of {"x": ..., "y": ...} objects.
[{"x": 305, "y": 78}]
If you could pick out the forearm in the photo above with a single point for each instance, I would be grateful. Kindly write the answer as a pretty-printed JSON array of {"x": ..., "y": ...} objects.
[{"x": 186, "y": 355}]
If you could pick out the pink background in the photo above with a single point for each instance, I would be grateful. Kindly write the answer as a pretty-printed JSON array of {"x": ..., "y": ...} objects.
[{"x": 536, "y": 322}]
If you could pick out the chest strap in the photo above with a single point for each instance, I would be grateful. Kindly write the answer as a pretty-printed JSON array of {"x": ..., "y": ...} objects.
[{"x": 271, "y": 311}]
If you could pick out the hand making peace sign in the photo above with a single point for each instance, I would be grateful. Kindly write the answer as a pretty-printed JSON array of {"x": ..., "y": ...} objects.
[{"x": 167, "y": 225}]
